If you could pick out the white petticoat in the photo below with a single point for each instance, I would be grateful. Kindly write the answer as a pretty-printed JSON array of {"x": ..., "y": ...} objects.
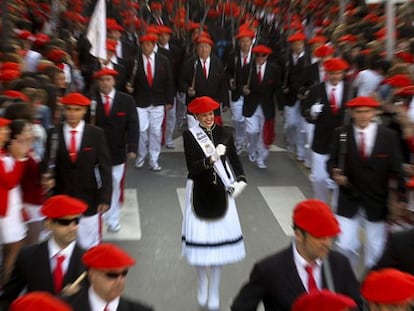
[{"x": 211, "y": 242}]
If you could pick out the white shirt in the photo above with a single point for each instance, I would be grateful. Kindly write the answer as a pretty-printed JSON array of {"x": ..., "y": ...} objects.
[
  {"x": 247, "y": 59},
  {"x": 118, "y": 49},
  {"x": 207, "y": 64},
  {"x": 297, "y": 56},
  {"x": 55, "y": 250},
  {"x": 339, "y": 89},
  {"x": 366, "y": 82},
  {"x": 301, "y": 263},
  {"x": 79, "y": 133},
  {"x": 152, "y": 62},
  {"x": 111, "y": 96},
  {"x": 262, "y": 70},
  {"x": 370, "y": 133},
  {"x": 98, "y": 304},
  {"x": 166, "y": 46}
]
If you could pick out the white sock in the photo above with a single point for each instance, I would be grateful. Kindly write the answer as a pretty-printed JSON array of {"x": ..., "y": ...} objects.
[
  {"x": 202, "y": 293},
  {"x": 214, "y": 288}
]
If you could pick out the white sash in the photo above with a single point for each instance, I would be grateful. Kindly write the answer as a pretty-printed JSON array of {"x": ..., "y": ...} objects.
[{"x": 208, "y": 148}]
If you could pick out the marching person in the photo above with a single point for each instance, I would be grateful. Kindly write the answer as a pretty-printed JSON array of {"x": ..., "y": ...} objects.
[
  {"x": 204, "y": 75},
  {"x": 211, "y": 235},
  {"x": 116, "y": 114},
  {"x": 260, "y": 86},
  {"x": 372, "y": 160},
  {"x": 325, "y": 107},
  {"x": 388, "y": 290},
  {"x": 237, "y": 60},
  {"x": 153, "y": 90},
  {"x": 308, "y": 265},
  {"x": 52, "y": 264},
  {"x": 79, "y": 156},
  {"x": 108, "y": 267}
]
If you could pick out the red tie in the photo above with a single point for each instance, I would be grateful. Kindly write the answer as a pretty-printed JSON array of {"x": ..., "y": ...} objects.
[
  {"x": 107, "y": 105},
  {"x": 361, "y": 146},
  {"x": 205, "y": 68},
  {"x": 106, "y": 307},
  {"x": 72, "y": 147},
  {"x": 259, "y": 74},
  {"x": 311, "y": 280},
  {"x": 149, "y": 71},
  {"x": 334, "y": 107},
  {"x": 245, "y": 60},
  {"x": 58, "y": 273}
]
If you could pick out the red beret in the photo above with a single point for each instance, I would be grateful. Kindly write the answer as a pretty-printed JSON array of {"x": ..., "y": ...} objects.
[
  {"x": 398, "y": 80},
  {"x": 75, "y": 99},
  {"x": 39, "y": 301},
  {"x": 335, "y": 64},
  {"x": 105, "y": 72},
  {"x": 10, "y": 66},
  {"x": 323, "y": 51},
  {"x": 318, "y": 39},
  {"x": 112, "y": 24},
  {"x": 148, "y": 38},
  {"x": 204, "y": 39},
  {"x": 156, "y": 6},
  {"x": 9, "y": 75},
  {"x": 405, "y": 91},
  {"x": 410, "y": 184},
  {"x": 298, "y": 36},
  {"x": 16, "y": 94},
  {"x": 153, "y": 29},
  {"x": 107, "y": 256},
  {"x": 41, "y": 39},
  {"x": 362, "y": 101},
  {"x": 63, "y": 205},
  {"x": 24, "y": 34},
  {"x": 316, "y": 218},
  {"x": 4, "y": 122},
  {"x": 348, "y": 38},
  {"x": 56, "y": 55},
  {"x": 323, "y": 300},
  {"x": 164, "y": 29},
  {"x": 388, "y": 286},
  {"x": 202, "y": 104},
  {"x": 111, "y": 45},
  {"x": 405, "y": 56},
  {"x": 262, "y": 49},
  {"x": 243, "y": 33}
]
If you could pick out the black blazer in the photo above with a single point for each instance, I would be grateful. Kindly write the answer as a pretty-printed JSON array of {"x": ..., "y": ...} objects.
[
  {"x": 276, "y": 282},
  {"x": 80, "y": 302},
  {"x": 263, "y": 93},
  {"x": 120, "y": 127},
  {"x": 215, "y": 86},
  {"x": 399, "y": 252},
  {"x": 78, "y": 178},
  {"x": 327, "y": 120},
  {"x": 233, "y": 70},
  {"x": 209, "y": 193},
  {"x": 32, "y": 271},
  {"x": 162, "y": 90},
  {"x": 369, "y": 178}
]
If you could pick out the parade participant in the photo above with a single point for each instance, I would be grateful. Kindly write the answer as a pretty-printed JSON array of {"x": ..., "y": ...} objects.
[
  {"x": 371, "y": 161},
  {"x": 236, "y": 61},
  {"x": 13, "y": 152},
  {"x": 117, "y": 116},
  {"x": 52, "y": 264},
  {"x": 153, "y": 93},
  {"x": 260, "y": 86},
  {"x": 388, "y": 290},
  {"x": 308, "y": 265},
  {"x": 203, "y": 75},
  {"x": 325, "y": 107},
  {"x": 211, "y": 235},
  {"x": 39, "y": 301},
  {"x": 107, "y": 267},
  {"x": 398, "y": 252},
  {"x": 323, "y": 300},
  {"x": 294, "y": 129},
  {"x": 79, "y": 158}
]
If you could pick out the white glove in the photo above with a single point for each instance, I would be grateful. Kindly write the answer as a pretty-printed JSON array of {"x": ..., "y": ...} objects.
[
  {"x": 221, "y": 149},
  {"x": 238, "y": 187},
  {"x": 316, "y": 109}
]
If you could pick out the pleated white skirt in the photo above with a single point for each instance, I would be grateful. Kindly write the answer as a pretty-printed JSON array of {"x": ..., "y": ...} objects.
[{"x": 211, "y": 242}]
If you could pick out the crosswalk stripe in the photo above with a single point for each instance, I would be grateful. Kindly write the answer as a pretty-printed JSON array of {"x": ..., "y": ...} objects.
[
  {"x": 281, "y": 201},
  {"x": 130, "y": 219}
]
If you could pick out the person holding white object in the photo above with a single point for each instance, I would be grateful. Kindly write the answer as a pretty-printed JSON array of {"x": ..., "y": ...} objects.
[{"x": 211, "y": 232}]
